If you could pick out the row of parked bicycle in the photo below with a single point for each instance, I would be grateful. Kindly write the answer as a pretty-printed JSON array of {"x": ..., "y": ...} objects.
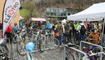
[
  {"x": 86, "y": 51},
  {"x": 43, "y": 40}
]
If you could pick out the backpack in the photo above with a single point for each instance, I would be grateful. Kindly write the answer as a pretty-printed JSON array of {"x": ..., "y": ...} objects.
[
  {"x": 82, "y": 30},
  {"x": 67, "y": 28}
]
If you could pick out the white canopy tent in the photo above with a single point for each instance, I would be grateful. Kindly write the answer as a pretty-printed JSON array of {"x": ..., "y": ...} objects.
[
  {"x": 96, "y": 12},
  {"x": 64, "y": 21}
]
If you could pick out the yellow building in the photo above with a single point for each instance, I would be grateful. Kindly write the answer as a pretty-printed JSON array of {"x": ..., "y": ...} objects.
[{"x": 15, "y": 19}]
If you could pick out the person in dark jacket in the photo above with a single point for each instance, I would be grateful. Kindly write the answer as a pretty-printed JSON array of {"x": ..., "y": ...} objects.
[
  {"x": 82, "y": 32},
  {"x": 9, "y": 34},
  {"x": 67, "y": 30}
]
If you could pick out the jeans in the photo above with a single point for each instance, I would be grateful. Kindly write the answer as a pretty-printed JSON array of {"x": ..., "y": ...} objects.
[
  {"x": 66, "y": 38},
  {"x": 60, "y": 38},
  {"x": 57, "y": 38},
  {"x": 78, "y": 37},
  {"x": 83, "y": 37}
]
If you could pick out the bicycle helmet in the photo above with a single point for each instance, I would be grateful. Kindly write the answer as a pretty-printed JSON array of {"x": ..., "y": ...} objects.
[{"x": 30, "y": 46}]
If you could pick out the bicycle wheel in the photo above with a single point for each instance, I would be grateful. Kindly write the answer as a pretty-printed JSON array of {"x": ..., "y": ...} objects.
[
  {"x": 3, "y": 52},
  {"x": 69, "y": 56},
  {"x": 21, "y": 48},
  {"x": 76, "y": 55}
]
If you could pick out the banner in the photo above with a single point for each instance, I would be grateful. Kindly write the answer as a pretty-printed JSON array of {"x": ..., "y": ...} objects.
[{"x": 10, "y": 9}]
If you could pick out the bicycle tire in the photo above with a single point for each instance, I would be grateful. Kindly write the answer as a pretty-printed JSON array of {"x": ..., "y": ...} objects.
[
  {"x": 75, "y": 54},
  {"x": 19, "y": 51},
  {"x": 20, "y": 48},
  {"x": 4, "y": 51},
  {"x": 69, "y": 56},
  {"x": 14, "y": 40}
]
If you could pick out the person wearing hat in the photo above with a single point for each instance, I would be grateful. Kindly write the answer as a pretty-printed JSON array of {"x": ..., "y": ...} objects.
[{"x": 94, "y": 37}]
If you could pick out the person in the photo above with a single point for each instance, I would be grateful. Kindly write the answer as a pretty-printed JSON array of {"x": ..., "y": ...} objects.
[
  {"x": 78, "y": 37},
  {"x": 43, "y": 27},
  {"x": 35, "y": 26},
  {"x": 75, "y": 25},
  {"x": 94, "y": 37},
  {"x": 75, "y": 30},
  {"x": 66, "y": 34},
  {"x": 47, "y": 25},
  {"x": 15, "y": 28},
  {"x": 85, "y": 25},
  {"x": 38, "y": 24},
  {"x": 60, "y": 31},
  {"x": 82, "y": 32},
  {"x": 71, "y": 30},
  {"x": 28, "y": 27},
  {"x": 9, "y": 34}
]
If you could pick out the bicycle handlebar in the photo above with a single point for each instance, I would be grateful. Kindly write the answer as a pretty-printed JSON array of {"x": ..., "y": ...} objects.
[{"x": 97, "y": 53}]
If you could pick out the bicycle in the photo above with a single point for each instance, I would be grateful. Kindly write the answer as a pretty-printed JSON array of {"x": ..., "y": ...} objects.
[
  {"x": 21, "y": 45},
  {"x": 71, "y": 54}
]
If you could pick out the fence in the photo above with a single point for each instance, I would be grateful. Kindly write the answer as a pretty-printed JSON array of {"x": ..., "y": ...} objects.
[{"x": 43, "y": 41}]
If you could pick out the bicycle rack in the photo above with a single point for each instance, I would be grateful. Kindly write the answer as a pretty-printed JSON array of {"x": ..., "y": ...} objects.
[
  {"x": 92, "y": 45},
  {"x": 44, "y": 45},
  {"x": 77, "y": 50}
]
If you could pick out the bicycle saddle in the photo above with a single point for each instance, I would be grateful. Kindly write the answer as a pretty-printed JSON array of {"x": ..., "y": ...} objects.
[{"x": 71, "y": 45}]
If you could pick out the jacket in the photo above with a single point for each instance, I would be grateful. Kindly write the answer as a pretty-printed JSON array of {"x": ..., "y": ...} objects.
[
  {"x": 94, "y": 36},
  {"x": 9, "y": 29},
  {"x": 59, "y": 28}
]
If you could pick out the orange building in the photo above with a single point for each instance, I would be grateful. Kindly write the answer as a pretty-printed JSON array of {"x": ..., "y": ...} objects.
[{"x": 16, "y": 17}]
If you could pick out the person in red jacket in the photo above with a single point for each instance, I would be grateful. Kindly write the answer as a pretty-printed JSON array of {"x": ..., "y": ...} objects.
[{"x": 9, "y": 34}]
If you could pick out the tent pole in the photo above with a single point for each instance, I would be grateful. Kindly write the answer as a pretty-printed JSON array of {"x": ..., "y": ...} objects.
[
  {"x": 86, "y": 20},
  {"x": 103, "y": 33},
  {"x": 3, "y": 17}
]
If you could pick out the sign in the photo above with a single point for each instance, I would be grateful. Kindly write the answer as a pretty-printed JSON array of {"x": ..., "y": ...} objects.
[{"x": 10, "y": 9}]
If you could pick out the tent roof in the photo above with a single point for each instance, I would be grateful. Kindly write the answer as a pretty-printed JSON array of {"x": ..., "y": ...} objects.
[
  {"x": 38, "y": 19},
  {"x": 64, "y": 21},
  {"x": 94, "y": 13}
]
